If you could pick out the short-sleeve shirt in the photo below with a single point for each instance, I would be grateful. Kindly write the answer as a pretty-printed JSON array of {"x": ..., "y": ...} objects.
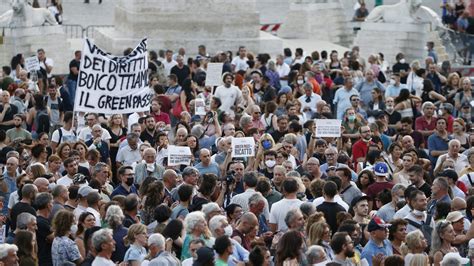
[
  {"x": 67, "y": 136},
  {"x": 13, "y": 134},
  {"x": 44, "y": 250},
  {"x": 64, "y": 249},
  {"x": 135, "y": 253},
  {"x": 279, "y": 211}
]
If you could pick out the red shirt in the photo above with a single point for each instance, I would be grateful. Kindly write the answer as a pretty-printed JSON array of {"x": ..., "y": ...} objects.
[
  {"x": 376, "y": 188},
  {"x": 166, "y": 105},
  {"x": 162, "y": 117},
  {"x": 422, "y": 124},
  {"x": 359, "y": 150},
  {"x": 450, "y": 119}
]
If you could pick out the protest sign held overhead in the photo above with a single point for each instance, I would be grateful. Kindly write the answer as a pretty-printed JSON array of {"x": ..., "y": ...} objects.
[
  {"x": 179, "y": 155},
  {"x": 243, "y": 147},
  {"x": 200, "y": 108},
  {"x": 32, "y": 63},
  {"x": 328, "y": 128},
  {"x": 214, "y": 74},
  {"x": 113, "y": 84}
]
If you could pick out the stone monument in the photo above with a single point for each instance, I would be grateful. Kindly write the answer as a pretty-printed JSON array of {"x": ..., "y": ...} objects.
[
  {"x": 317, "y": 19},
  {"x": 402, "y": 27},
  {"x": 26, "y": 29},
  {"x": 171, "y": 24}
]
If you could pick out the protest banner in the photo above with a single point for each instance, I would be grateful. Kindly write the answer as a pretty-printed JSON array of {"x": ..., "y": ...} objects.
[
  {"x": 178, "y": 155},
  {"x": 32, "y": 63},
  {"x": 243, "y": 147},
  {"x": 200, "y": 106},
  {"x": 328, "y": 128},
  {"x": 113, "y": 84},
  {"x": 214, "y": 74}
]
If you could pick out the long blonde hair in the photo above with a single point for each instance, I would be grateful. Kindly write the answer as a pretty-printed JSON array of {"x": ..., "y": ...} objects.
[
  {"x": 316, "y": 233},
  {"x": 134, "y": 230}
]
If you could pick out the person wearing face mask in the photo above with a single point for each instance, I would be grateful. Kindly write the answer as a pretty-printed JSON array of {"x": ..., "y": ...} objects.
[
  {"x": 394, "y": 87},
  {"x": 393, "y": 117},
  {"x": 64, "y": 249},
  {"x": 418, "y": 215},
  {"x": 17, "y": 133},
  {"x": 401, "y": 67},
  {"x": 219, "y": 227},
  {"x": 148, "y": 167},
  {"x": 387, "y": 211},
  {"x": 127, "y": 177}
]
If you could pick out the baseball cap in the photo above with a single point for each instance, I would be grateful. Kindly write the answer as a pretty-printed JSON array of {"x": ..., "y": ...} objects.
[
  {"x": 205, "y": 255},
  {"x": 381, "y": 169},
  {"x": 454, "y": 216},
  {"x": 85, "y": 190},
  {"x": 449, "y": 173},
  {"x": 284, "y": 90},
  {"x": 376, "y": 223},
  {"x": 454, "y": 256},
  {"x": 358, "y": 199},
  {"x": 465, "y": 105}
]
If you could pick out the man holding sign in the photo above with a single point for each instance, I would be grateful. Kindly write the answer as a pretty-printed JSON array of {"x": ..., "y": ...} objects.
[
  {"x": 229, "y": 94},
  {"x": 243, "y": 147}
]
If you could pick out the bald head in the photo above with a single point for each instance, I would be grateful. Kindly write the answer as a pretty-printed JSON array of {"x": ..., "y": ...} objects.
[
  {"x": 248, "y": 221},
  {"x": 458, "y": 204},
  {"x": 408, "y": 142},
  {"x": 42, "y": 184},
  {"x": 205, "y": 156},
  {"x": 170, "y": 178}
]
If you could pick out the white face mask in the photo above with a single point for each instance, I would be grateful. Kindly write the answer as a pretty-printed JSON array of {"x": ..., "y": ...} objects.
[
  {"x": 73, "y": 229},
  {"x": 270, "y": 163},
  {"x": 150, "y": 167},
  {"x": 402, "y": 61},
  {"x": 418, "y": 213},
  {"x": 392, "y": 82},
  {"x": 228, "y": 230},
  {"x": 300, "y": 82}
]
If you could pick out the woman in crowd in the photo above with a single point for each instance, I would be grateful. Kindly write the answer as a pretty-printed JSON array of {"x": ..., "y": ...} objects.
[
  {"x": 196, "y": 228},
  {"x": 269, "y": 118},
  {"x": 351, "y": 125},
  {"x": 137, "y": 240},
  {"x": 64, "y": 249},
  {"x": 393, "y": 158},
  {"x": 451, "y": 87},
  {"x": 86, "y": 221},
  {"x": 188, "y": 93},
  {"x": 152, "y": 197},
  {"x": 459, "y": 133},
  {"x": 376, "y": 104},
  {"x": 27, "y": 248},
  {"x": 117, "y": 133},
  {"x": 406, "y": 103},
  {"x": 193, "y": 143},
  {"x": 246, "y": 98},
  {"x": 174, "y": 230},
  {"x": 81, "y": 147},
  {"x": 320, "y": 234},
  {"x": 396, "y": 234},
  {"x": 282, "y": 100},
  {"x": 297, "y": 86},
  {"x": 442, "y": 238},
  {"x": 364, "y": 180},
  {"x": 54, "y": 164},
  {"x": 114, "y": 218},
  {"x": 415, "y": 243},
  {"x": 430, "y": 95},
  {"x": 464, "y": 95},
  {"x": 38, "y": 116},
  {"x": 289, "y": 249},
  {"x": 233, "y": 211}
]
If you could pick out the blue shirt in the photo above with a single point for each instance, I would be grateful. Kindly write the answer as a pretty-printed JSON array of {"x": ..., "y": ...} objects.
[
  {"x": 120, "y": 190},
  {"x": 11, "y": 185},
  {"x": 432, "y": 204},
  {"x": 371, "y": 249},
  {"x": 365, "y": 89},
  {"x": 436, "y": 143},
  {"x": 213, "y": 168}
]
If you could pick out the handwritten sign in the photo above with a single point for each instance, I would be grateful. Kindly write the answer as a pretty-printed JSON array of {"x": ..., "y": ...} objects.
[
  {"x": 113, "y": 84},
  {"x": 179, "y": 155},
  {"x": 214, "y": 74},
  {"x": 32, "y": 64},
  {"x": 328, "y": 128},
  {"x": 243, "y": 147},
  {"x": 200, "y": 107}
]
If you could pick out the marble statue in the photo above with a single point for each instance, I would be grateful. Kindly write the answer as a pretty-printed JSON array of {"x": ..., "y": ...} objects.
[
  {"x": 24, "y": 15},
  {"x": 402, "y": 12}
]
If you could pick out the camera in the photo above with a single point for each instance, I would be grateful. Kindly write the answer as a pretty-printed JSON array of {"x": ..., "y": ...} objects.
[{"x": 229, "y": 178}]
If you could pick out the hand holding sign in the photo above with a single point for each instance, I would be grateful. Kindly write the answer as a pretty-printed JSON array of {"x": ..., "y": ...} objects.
[
  {"x": 178, "y": 155},
  {"x": 243, "y": 147},
  {"x": 328, "y": 128}
]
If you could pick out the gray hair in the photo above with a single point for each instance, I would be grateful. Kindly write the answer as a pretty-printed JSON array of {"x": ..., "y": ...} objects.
[
  {"x": 114, "y": 216},
  {"x": 192, "y": 219},
  {"x": 442, "y": 182},
  {"x": 42, "y": 200},
  {"x": 255, "y": 199},
  {"x": 216, "y": 222},
  {"x": 245, "y": 120},
  {"x": 308, "y": 86},
  {"x": 315, "y": 253},
  {"x": 59, "y": 189},
  {"x": 451, "y": 262},
  {"x": 98, "y": 167},
  {"x": 24, "y": 219},
  {"x": 97, "y": 126},
  {"x": 290, "y": 215},
  {"x": 210, "y": 207},
  {"x": 132, "y": 135},
  {"x": 100, "y": 237},
  {"x": 307, "y": 208},
  {"x": 190, "y": 170},
  {"x": 293, "y": 174},
  {"x": 157, "y": 239},
  {"x": 5, "y": 248},
  {"x": 397, "y": 188}
]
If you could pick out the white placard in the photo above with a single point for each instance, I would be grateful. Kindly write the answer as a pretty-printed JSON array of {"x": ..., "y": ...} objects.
[
  {"x": 200, "y": 107},
  {"x": 178, "y": 155},
  {"x": 243, "y": 147},
  {"x": 328, "y": 128},
  {"x": 113, "y": 84},
  {"x": 32, "y": 64},
  {"x": 214, "y": 74}
]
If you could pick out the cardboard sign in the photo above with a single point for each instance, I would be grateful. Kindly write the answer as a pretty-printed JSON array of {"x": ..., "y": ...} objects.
[
  {"x": 32, "y": 64},
  {"x": 328, "y": 128},
  {"x": 200, "y": 106},
  {"x": 214, "y": 74},
  {"x": 113, "y": 84},
  {"x": 243, "y": 147},
  {"x": 178, "y": 155}
]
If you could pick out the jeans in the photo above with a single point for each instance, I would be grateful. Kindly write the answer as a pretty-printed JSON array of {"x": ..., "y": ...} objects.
[{"x": 71, "y": 86}]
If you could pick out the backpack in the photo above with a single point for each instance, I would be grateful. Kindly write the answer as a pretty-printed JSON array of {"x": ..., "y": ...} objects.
[
  {"x": 60, "y": 132},
  {"x": 381, "y": 77},
  {"x": 425, "y": 228},
  {"x": 42, "y": 121}
]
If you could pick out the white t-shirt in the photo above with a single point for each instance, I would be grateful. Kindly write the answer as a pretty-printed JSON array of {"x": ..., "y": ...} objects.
[
  {"x": 228, "y": 96},
  {"x": 466, "y": 181},
  {"x": 68, "y": 136},
  {"x": 65, "y": 180},
  {"x": 240, "y": 63},
  {"x": 86, "y": 134},
  {"x": 101, "y": 261},
  {"x": 283, "y": 70},
  {"x": 168, "y": 66},
  {"x": 280, "y": 209},
  {"x": 50, "y": 63}
]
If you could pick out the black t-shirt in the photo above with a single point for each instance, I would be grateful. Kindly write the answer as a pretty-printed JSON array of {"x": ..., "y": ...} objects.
[
  {"x": 394, "y": 117},
  {"x": 18, "y": 208},
  {"x": 425, "y": 188},
  {"x": 330, "y": 210},
  {"x": 128, "y": 221},
  {"x": 44, "y": 248},
  {"x": 145, "y": 136},
  {"x": 73, "y": 63},
  {"x": 181, "y": 73},
  {"x": 417, "y": 138},
  {"x": 399, "y": 66},
  {"x": 277, "y": 135},
  {"x": 12, "y": 110}
]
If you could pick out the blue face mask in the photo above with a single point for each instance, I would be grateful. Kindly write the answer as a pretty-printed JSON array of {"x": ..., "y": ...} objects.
[{"x": 266, "y": 144}]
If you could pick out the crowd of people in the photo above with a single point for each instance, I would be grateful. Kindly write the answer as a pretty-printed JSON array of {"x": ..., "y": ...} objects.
[{"x": 96, "y": 189}]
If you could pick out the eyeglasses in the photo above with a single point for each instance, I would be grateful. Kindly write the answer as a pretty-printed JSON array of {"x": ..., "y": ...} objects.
[
  {"x": 355, "y": 100},
  {"x": 257, "y": 113},
  {"x": 330, "y": 154},
  {"x": 367, "y": 131}
]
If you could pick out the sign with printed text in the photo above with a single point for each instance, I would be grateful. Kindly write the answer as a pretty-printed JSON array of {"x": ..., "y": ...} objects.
[
  {"x": 328, "y": 128},
  {"x": 113, "y": 84},
  {"x": 243, "y": 147},
  {"x": 200, "y": 106},
  {"x": 32, "y": 64},
  {"x": 214, "y": 74},
  {"x": 178, "y": 155}
]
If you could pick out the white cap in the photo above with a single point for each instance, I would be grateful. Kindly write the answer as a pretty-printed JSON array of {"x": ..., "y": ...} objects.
[{"x": 454, "y": 255}]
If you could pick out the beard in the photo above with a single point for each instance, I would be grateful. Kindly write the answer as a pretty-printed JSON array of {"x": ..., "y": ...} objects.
[{"x": 349, "y": 253}]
